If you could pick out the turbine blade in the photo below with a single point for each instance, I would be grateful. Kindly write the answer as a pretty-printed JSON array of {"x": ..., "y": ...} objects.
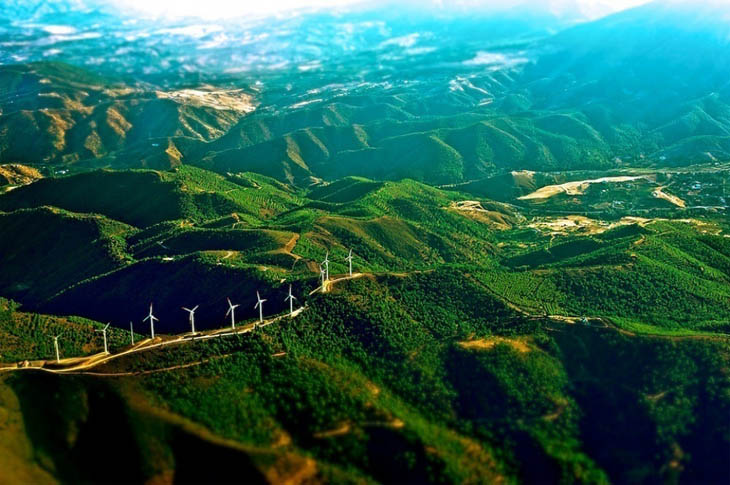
[{"x": 195, "y": 307}]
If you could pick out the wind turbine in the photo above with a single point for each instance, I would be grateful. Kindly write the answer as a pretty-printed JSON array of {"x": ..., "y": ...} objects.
[
  {"x": 326, "y": 264},
  {"x": 260, "y": 306},
  {"x": 290, "y": 298},
  {"x": 152, "y": 320},
  {"x": 349, "y": 261},
  {"x": 55, "y": 344},
  {"x": 232, "y": 311},
  {"x": 103, "y": 331},
  {"x": 192, "y": 317}
]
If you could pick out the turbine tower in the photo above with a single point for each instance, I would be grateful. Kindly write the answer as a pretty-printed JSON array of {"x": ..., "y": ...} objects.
[
  {"x": 349, "y": 261},
  {"x": 103, "y": 331},
  {"x": 232, "y": 311},
  {"x": 131, "y": 331},
  {"x": 326, "y": 264},
  {"x": 55, "y": 344},
  {"x": 260, "y": 306},
  {"x": 290, "y": 298},
  {"x": 191, "y": 317},
  {"x": 152, "y": 320},
  {"x": 322, "y": 274}
]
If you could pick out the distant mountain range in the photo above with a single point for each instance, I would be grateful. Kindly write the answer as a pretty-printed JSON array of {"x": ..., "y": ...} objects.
[{"x": 647, "y": 86}]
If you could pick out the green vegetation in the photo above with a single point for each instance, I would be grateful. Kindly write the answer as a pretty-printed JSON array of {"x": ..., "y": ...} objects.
[
  {"x": 460, "y": 355},
  {"x": 541, "y": 287},
  {"x": 29, "y": 336}
]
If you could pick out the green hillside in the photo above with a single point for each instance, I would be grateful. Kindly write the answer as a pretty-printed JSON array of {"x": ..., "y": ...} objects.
[
  {"x": 51, "y": 248},
  {"x": 384, "y": 380},
  {"x": 144, "y": 197}
]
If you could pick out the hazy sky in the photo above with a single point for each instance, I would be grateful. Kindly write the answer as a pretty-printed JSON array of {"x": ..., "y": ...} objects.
[{"x": 212, "y": 9}]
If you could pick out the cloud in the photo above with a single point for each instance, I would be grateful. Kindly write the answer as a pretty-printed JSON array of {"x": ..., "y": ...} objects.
[{"x": 220, "y": 9}]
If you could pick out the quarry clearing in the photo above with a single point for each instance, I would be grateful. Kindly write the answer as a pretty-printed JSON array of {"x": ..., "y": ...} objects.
[
  {"x": 575, "y": 188},
  {"x": 558, "y": 226}
]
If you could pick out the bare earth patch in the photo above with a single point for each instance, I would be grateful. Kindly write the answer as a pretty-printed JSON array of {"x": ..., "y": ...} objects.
[
  {"x": 475, "y": 210},
  {"x": 660, "y": 194},
  {"x": 581, "y": 224},
  {"x": 210, "y": 97},
  {"x": 519, "y": 344}
]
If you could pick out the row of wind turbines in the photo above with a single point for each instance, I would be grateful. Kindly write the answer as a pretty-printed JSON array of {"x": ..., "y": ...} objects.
[
  {"x": 231, "y": 311},
  {"x": 324, "y": 274}
]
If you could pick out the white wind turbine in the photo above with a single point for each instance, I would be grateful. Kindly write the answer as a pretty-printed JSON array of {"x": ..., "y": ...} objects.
[
  {"x": 103, "y": 331},
  {"x": 260, "y": 306},
  {"x": 232, "y": 311},
  {"x": 326, "y": 264},
  {"x": 290, "y": 298},
  {"x": 349, "y": 261},
  {"x": 152, "y": 320},
  {"x": 191, "y": 318},
  {"x": 55, "y": 344}
]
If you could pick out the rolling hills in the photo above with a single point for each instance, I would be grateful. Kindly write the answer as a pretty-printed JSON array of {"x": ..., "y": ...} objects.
[
  {"x": 190, "y": 225},
  {"x": 381, "y": 378}
]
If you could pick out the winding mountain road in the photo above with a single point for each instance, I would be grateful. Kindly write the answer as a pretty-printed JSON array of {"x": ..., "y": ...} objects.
[{"x": 81, "y": 364}]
